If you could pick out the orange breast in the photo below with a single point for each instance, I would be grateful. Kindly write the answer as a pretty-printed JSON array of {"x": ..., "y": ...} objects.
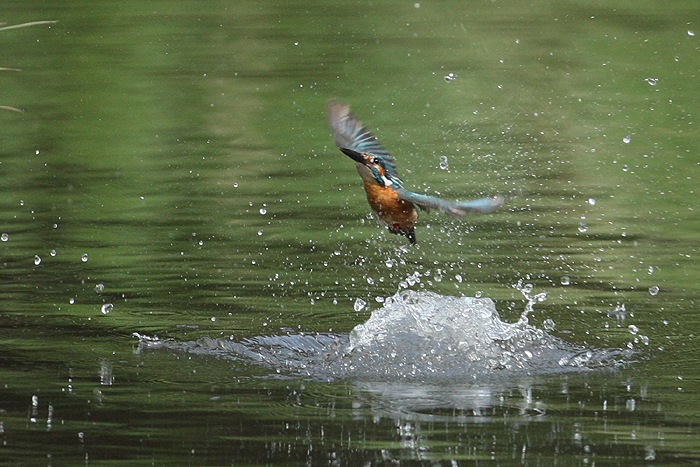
[{"x": 392, "y": 210}]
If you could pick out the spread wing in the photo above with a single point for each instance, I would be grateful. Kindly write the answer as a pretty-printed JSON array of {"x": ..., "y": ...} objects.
[
  {"x": 455, "y": 209},
  {"x": 349, "y": 134}
]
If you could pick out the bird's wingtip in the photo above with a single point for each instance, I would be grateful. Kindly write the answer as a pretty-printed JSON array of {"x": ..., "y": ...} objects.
[
  {"x": 494, "y": 204},
  {"x": 336, "y": 108}
]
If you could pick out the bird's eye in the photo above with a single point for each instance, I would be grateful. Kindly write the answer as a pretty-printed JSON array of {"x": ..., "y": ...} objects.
[{"x": 376, "y": 160}]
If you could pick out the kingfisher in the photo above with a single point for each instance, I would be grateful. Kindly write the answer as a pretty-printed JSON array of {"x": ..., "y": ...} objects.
[{"x": 394, "y": 204}]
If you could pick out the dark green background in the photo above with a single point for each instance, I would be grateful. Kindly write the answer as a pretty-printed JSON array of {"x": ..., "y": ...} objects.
[{"x": 154, "y": 133}]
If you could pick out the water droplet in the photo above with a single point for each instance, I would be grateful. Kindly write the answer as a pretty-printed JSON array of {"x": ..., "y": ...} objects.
[
  {"x": 450, "y": 77},
  {"x": 654, "y": 290},
  {"x": 549, "y": 324},
  {"x": 106, "y": 308},
  {"x": 213, "y": 319},
  {"x": 691, "y": 33},
  {"x": 84, "y": 258},
  {"x": 458, "y": 277},
  {"x": 414, "y": 278},
  {"x": 591, "y": 201},
  {"x": 359, "y": 304},
  {"x": 649, "y": 453},
  {"x": 619, "y": 313},
  {"x": 71, "y": 301},
  {"x": 37, "y": 260},
  {"x": 582, "y": 227},
  {"x": 633, "y": 329},
  {"x": 99, "y": 288},
  {"x": 540, "y": 297},
  {"x": 650, "y": 270},
  {"x": 652, "y": 81},
  {"x": 417, "y": 5},
  {"x": 260, "y": 232},
  {"x": 37, "y": 152},
  {"x": 627, "y": 139},
  {"x": 4, "y": 237},
  {"x": 625, "y": 168},
  {"x": 444, "y": 165},
  {"x": 263, "y": 210},
  {"x": 235, "y": 184},
  {"x": 478, "y": 294},
  {"x": 52, "y": 252},
  {"x": 565, "y": 280}
]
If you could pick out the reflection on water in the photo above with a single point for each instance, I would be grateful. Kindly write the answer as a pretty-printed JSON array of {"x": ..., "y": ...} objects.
[
  {"x": 460, "y": 403},
  {"x": 183, "y": 147},
  {"x": 414, "y": 336}
]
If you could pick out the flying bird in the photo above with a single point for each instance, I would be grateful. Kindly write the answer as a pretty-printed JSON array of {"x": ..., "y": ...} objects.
[{"x": 394, "y": 204}]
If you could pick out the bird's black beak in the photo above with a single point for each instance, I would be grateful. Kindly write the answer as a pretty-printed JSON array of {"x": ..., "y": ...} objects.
[{"x": 356, "y": 156}]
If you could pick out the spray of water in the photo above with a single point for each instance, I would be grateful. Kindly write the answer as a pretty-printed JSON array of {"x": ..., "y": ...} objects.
[{"x": 417, "y": 336}]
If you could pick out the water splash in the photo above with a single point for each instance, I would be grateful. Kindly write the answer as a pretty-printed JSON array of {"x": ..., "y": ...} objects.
[
  {"x": 359, "y": 305},
  {"x": 414, "y": 336},
  {"x": 527, "y": 289},
  {"x": 444, "y": 163}
]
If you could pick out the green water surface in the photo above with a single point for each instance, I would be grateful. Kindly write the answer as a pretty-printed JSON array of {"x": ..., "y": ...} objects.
[{"x": 172, "y": 174}]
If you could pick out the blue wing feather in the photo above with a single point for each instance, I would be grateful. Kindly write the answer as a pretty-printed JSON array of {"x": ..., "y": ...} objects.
[
  {"x": 350, "y": 134},
  {"x": 457, "y": 208},
  {"x": 351, "y": 137}
]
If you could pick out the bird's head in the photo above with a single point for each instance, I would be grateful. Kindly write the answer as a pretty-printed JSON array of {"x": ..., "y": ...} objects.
[{"x": 373, "y": 168}]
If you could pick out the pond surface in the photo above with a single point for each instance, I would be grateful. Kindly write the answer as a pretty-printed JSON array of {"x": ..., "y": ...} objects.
[{"x": 191, "y": 273}]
